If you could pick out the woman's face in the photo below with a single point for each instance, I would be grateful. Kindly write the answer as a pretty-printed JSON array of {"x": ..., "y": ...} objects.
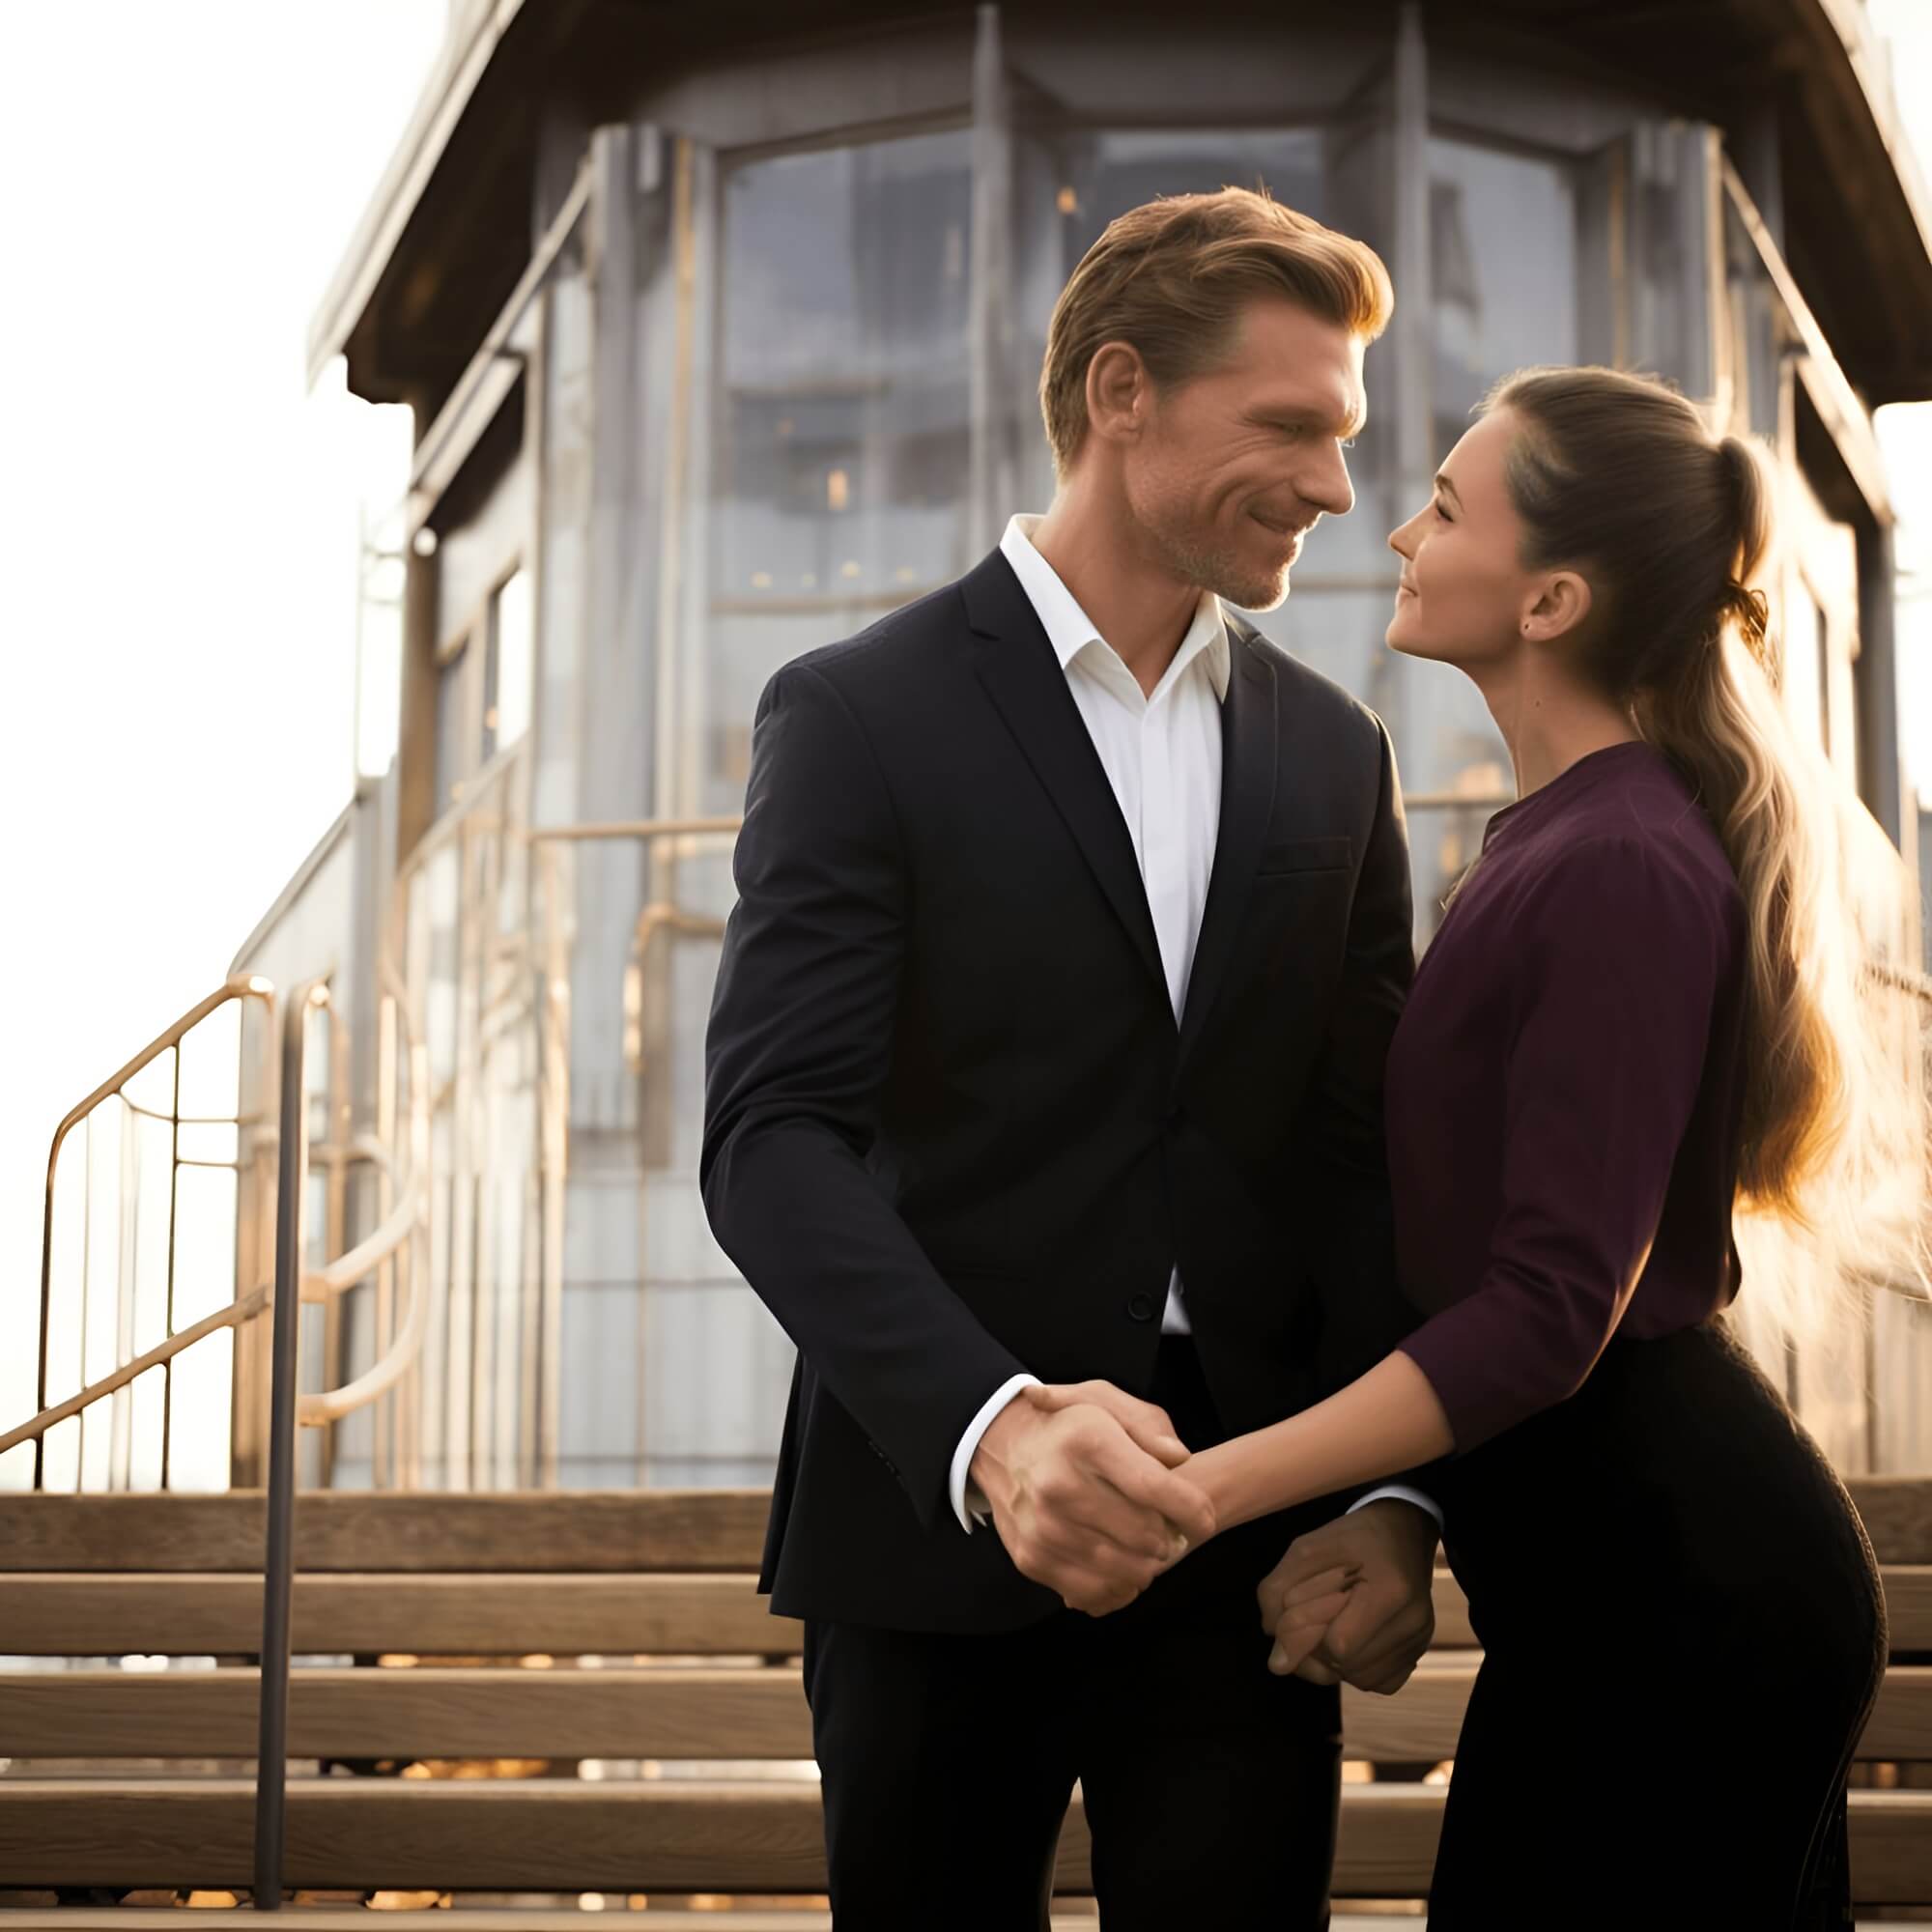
[{"x": 1465, "y": 595}]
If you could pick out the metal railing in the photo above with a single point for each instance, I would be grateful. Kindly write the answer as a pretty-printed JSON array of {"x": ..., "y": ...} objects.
[
  {"x": 658, "y": 916},
  {"x": 278, "y": 1562},
  {"x": 401, "y": 1222},
  {"x": 239, "y": 988},
  {"x": 291, "y": 1285}
]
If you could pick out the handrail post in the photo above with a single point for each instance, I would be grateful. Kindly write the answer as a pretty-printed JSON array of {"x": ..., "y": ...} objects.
[{"x": 277, "y": 1568}]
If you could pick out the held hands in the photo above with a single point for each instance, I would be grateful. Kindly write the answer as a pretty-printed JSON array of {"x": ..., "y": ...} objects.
[
  {"x": 1080, "y": 1479},
  {"x": 1352, "y": 1602}
]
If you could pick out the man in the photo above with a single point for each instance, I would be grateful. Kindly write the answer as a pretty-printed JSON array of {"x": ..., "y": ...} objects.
[{"x": 1047, "y": 1046}]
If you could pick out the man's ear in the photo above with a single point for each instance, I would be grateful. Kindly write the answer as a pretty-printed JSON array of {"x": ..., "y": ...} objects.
[{"x": 1119, "y": 389}]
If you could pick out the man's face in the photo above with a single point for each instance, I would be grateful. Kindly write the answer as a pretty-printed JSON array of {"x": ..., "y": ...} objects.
[{"x": 1236, "y": 464}]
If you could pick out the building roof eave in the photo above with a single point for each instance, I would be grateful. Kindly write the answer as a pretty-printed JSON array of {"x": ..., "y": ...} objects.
[
  {"x": 426, "y": 142},
  {"x": 451, "y": 219},
  {"x": 1898, "y": 199}
]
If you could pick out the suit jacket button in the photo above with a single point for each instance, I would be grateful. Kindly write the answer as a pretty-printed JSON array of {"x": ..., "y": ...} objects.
[{"x": 1141, "y": 1307}]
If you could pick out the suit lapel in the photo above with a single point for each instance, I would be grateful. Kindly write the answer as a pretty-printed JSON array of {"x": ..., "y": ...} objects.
[
  {"x": 1248, "y": 757},
  {"x": 1022, "y": 676}
]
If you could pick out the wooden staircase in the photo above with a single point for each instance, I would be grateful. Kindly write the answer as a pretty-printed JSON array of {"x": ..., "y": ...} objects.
[{"x": 528, "y": 1633}]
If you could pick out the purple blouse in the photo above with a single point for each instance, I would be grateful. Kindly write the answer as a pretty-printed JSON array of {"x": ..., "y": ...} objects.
[{"x": 1564, "y": 1093}]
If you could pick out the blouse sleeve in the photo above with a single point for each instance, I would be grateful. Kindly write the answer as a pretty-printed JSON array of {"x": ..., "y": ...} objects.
[{"x": 1616, "y": 964}]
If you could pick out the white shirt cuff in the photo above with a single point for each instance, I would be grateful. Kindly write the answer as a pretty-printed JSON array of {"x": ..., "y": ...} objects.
[
  {"x": 962, "y": 1456},
  {"x": 1402, "y": 1494}
]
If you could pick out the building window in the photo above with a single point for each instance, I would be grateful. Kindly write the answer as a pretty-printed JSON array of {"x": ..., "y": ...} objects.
[
  {"x": 512, "y": 665},
  {"x": 456, "y": 760},
  {"x": 1503, "y": 262},
  {"x": 483, "y": 687},
  {"x": 842, "y": 437}
]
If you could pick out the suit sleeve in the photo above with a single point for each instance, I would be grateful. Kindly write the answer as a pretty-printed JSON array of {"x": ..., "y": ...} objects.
[{"x": 796, "y": 1062}]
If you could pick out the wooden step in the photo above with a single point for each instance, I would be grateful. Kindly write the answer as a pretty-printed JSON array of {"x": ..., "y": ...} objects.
[
  {"x": 533, "y": 1530},
  {"x": 653, "y": 1712},
  {"x": 666, "y": 1834},
  {"x": 505, "y": 1919},
  {"x": 537, "y": 1834},
  {"x": 85, "y": 1613},
  {"x": 185, "y": 1614},
  {"x": 345, "y": 1529}
]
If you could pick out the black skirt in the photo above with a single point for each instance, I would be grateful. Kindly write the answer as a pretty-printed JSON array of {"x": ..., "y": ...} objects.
[{"x": 1682, "y": 1634}]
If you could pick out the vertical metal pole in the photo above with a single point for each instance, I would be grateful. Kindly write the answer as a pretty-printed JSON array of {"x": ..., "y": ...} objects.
[
  {"x": 174, "y": 1225},
  {"x": 1414, "y": 339},
  {"x": 127, "y": 1285},
  {"x": 47, "y": 1316},
  {"x": 336, "y": 1237},
  {"x": 558, "y": 872},
  {"x": 1880, "y": 778},
  {"x": 989, "y": 495},
  {"x": 277, "y": 1578},
  {"x": 86, "y": 1294},
  {"x": 383, "y": 1413}
]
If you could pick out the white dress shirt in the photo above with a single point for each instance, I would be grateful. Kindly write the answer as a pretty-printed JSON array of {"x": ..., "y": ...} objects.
[{"x": 1162, "y": 756}]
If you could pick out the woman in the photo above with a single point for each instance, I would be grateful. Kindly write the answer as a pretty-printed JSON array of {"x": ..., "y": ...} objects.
[{"x": 1638, "y": 1014}]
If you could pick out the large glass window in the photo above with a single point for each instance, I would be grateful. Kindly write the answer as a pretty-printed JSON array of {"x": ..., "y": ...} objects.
[
  {"x": 1507, "y": 260},
  {"x": 841, "y": 441},
  {"x": 1503, "y": 262}
]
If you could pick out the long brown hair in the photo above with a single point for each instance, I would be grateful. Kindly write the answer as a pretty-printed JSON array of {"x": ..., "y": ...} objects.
[{"x": 1619, "y": 477}]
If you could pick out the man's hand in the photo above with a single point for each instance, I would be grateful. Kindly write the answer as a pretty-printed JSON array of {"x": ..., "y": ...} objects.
[
  {"x": 1080, "y": 1480},
  {"x": 1351, "y": 1601}
]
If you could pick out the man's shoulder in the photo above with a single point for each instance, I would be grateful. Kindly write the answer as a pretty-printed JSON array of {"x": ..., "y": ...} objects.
[
  {"x": 904, "y": 642},
  {"x": 1301, "y": 691}
]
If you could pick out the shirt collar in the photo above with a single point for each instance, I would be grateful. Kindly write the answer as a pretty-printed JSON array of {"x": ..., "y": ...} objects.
[{"x": 1070, "y": 630}]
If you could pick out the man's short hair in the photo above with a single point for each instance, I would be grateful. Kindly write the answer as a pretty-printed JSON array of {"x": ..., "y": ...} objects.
[{"x": 1172, "y": 278}]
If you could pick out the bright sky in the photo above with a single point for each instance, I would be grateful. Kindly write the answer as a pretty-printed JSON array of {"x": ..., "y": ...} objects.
[
  {"x": 181, "y": 515},
  {"x": 184, "y": 514}
]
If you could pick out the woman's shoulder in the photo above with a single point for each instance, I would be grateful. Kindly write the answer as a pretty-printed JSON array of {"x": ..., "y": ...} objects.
[{"x": 1636, "y": 849}]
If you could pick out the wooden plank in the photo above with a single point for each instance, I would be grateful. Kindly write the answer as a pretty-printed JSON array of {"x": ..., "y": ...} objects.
[
  {"x": 683, "y": 1713},
  {"x": 527, "y": 1531},
  {"x": 339, "y": 1529},
  {"x": 1897, "y": 1513},
  {"x": 1908, "y": 1606},
  {"x": 591, "y": 1612},
  {"x": 668, "y": 1711},
  {"x": 71, "y": 1613},
  {"x": 481, "y": 1918},
  {"x": 1901, "y": 1722},
  {"x": 1422, "y": 1721},
  {"x": 536, "y": 1833},
  {"x": 559, "y": 1834}
]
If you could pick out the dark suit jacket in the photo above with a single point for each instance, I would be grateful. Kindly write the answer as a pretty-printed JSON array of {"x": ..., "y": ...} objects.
[{"x": 952, "y": 1130}]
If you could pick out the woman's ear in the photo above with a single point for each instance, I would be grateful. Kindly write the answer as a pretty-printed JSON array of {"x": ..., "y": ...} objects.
[{"x": 1560, "y": 606}]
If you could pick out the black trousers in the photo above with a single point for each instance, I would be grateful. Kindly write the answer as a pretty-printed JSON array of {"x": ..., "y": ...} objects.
[
  {"x": 1210, "y": 1786},
  {"x": 1682, "y": 1634}
]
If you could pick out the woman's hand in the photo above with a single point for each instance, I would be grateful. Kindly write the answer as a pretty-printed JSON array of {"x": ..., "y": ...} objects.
[
  {"x": 1352, "y": 1601},
  {"x": 1300, "y": 1618}
]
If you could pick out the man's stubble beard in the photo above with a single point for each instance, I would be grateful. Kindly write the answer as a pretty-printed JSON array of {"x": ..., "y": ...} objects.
[{"x": 1178, "y": 547}]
